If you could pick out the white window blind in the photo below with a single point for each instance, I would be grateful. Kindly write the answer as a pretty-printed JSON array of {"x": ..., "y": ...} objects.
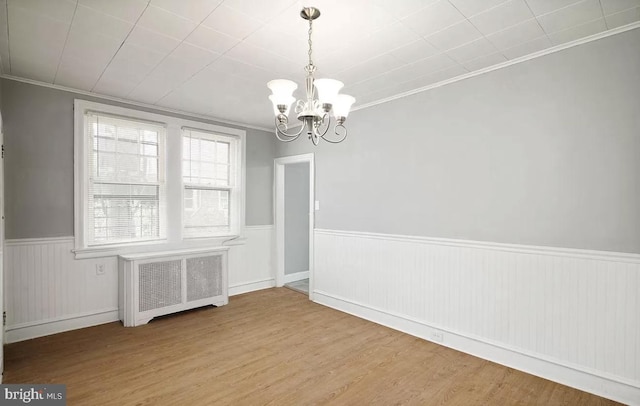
[
  {"x": 209, "y": 174},
  {"x": 125, "y": 185}
]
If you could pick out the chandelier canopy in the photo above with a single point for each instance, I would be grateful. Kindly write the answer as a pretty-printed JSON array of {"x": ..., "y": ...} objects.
[{"x": 314, "y": 113}]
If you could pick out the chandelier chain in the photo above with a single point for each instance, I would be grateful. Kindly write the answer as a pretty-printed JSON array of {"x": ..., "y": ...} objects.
[{"x": 310, "y": 43}]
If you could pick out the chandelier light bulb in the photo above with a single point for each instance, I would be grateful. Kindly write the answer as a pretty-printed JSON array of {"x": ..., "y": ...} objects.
[
  {"x": 282, "y": 90},
  {"x": 327, "y": 90},
  {"x": 342, "y": 105}
]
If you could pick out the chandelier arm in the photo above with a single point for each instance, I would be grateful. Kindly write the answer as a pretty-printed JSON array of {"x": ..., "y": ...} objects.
[
  {"x": 326, "y": 120},
  {"x": 281, "y": 131},
  {"x": 335, "y": 130},
  {"x": 313, "y": 136}
]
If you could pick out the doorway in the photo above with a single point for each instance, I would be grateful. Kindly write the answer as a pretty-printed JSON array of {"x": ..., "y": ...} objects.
[{"x": 294, "y": 218}]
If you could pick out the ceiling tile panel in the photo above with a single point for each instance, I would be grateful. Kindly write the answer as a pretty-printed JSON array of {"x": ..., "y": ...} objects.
[
  {"x": 132, "y": 64},
  {"x": 336, "y": 61},
  {"x": 426, "y": 66},
  {"x": 290, "y": 22},
  {"x": 405, "y": 8},
  {"x": 579, "y": 31},
  {"x": 472, "y": 7},
  {"x": 265, "y": 59},
  {"x": 211, "y": 40},
  {"x": 194, "y": 10},
  {"x": 93, "y": 47},
  {"x": 231, "y": 22},
  {"x": 33, "y": 69},
  {"x": 288, "y": 46},
  {"x": 61, "y": 10},
  {"x": 484, "y": 62},
  {"x": 191, "y": 55},
  {"x": 518, "y": 34},
  {"x": 167, "y": 23},
  {"x": 144, "y": 38},
  {"x": 37, "y": 51},
  {"x": 260, "y": 9},
  {"x": 472, "y": 50},
  {"x": 128, "y": 10},
  {"x": 530, "y": 47},
  {"x": 225, "y": 66},
  {"x": 616, "y": 6},
  {"x": 90, "y": 21},
  {"x": 576, "y": 14},
  {"x": 454, "y": 36},
  {"x": 540, "y": 7},
  {"x": 433, "y": 18},
  {"x": 629, "y": 16},
  {"x": 426, "y": 80},
  {"x": 113, "y": 86},
  {"x": 380, "y": 42},
  {"x": 204, "y": 86},
  {"x": 77, "y": 73},
  {"x": 502, "y": 16},
  {"x": 392, "y": 37},
  {"x": 369, "y": 69},
  {"x": 35, "y": 39},
  {"x": 151, "y": 90},
  {"x": 414, "y": 51}
]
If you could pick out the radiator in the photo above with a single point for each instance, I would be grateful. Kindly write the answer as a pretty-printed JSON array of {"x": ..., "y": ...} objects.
[{"x": 156, "y": 284}]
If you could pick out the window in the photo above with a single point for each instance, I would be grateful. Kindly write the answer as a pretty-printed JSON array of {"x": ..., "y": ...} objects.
[
  {"x": 149, "y": 182},
  {"x": 209, "y": 182},
  {"x": 126, "y": 191}
]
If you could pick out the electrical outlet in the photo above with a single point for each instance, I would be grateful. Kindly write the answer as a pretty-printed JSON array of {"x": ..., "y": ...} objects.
[
  {"x": 437, "y": 336},
  {"x": 99, "y": 269}
]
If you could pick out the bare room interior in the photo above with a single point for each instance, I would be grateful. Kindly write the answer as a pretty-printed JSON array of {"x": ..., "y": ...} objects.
[{"x": 329, "y": 202}]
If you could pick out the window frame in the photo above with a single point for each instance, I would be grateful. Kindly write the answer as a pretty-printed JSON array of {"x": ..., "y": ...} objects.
[
  {"x": 160, "y": 183},
  {"x": 233, "y": 188},
  {"x": 171, "y": 164}
]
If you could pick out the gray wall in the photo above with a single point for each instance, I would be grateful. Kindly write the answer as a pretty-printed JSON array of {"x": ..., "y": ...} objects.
[
  {"x": 261, "y": 151},
  {"x": 545, "y": 152},
  {"x": 39, "y": 162},
  {"x": 296, "y": 218}
]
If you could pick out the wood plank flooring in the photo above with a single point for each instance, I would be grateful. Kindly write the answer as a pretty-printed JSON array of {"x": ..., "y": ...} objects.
[{"x": 270, "y": 347}]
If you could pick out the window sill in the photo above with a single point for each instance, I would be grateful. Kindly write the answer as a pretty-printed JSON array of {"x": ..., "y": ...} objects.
[{"x": 157, "y": 246}]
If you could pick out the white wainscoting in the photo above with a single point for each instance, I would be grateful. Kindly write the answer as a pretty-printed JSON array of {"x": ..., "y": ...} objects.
[
  {"x": 48, "y": 291},
  {"x": 251, "y": 265},
  {"x": 572, "y": 316}
]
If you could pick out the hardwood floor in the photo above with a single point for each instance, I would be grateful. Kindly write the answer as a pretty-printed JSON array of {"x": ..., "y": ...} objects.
[{"x": 270, "y": 347}]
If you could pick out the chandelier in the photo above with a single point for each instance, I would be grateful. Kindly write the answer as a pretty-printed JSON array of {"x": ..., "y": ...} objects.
[{"x": 314, "y": 113}]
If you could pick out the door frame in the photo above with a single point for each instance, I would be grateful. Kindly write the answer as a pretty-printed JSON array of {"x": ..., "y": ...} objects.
[{"x": 278, "y": 205}]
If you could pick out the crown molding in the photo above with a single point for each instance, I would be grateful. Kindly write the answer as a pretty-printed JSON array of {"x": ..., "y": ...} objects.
[
  {"x": 521, "y": 59},
  {"x": 134, "y": 103}
]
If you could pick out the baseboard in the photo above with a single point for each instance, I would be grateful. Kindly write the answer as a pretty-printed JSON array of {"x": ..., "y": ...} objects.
[
  {"x": 608, "y": 387},
  {"x": 251, "y": 286},
  {"x": 27, "y": 331},
  {"x": 298, "y": 276}
]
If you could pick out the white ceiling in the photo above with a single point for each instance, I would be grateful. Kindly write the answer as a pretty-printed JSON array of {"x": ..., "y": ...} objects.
[{"x": 214, "y": 57}]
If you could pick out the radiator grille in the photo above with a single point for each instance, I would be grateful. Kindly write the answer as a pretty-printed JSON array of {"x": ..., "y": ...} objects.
[
  {"x": 160, "y": 284},
  {"x": 204, "y": 277}
]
